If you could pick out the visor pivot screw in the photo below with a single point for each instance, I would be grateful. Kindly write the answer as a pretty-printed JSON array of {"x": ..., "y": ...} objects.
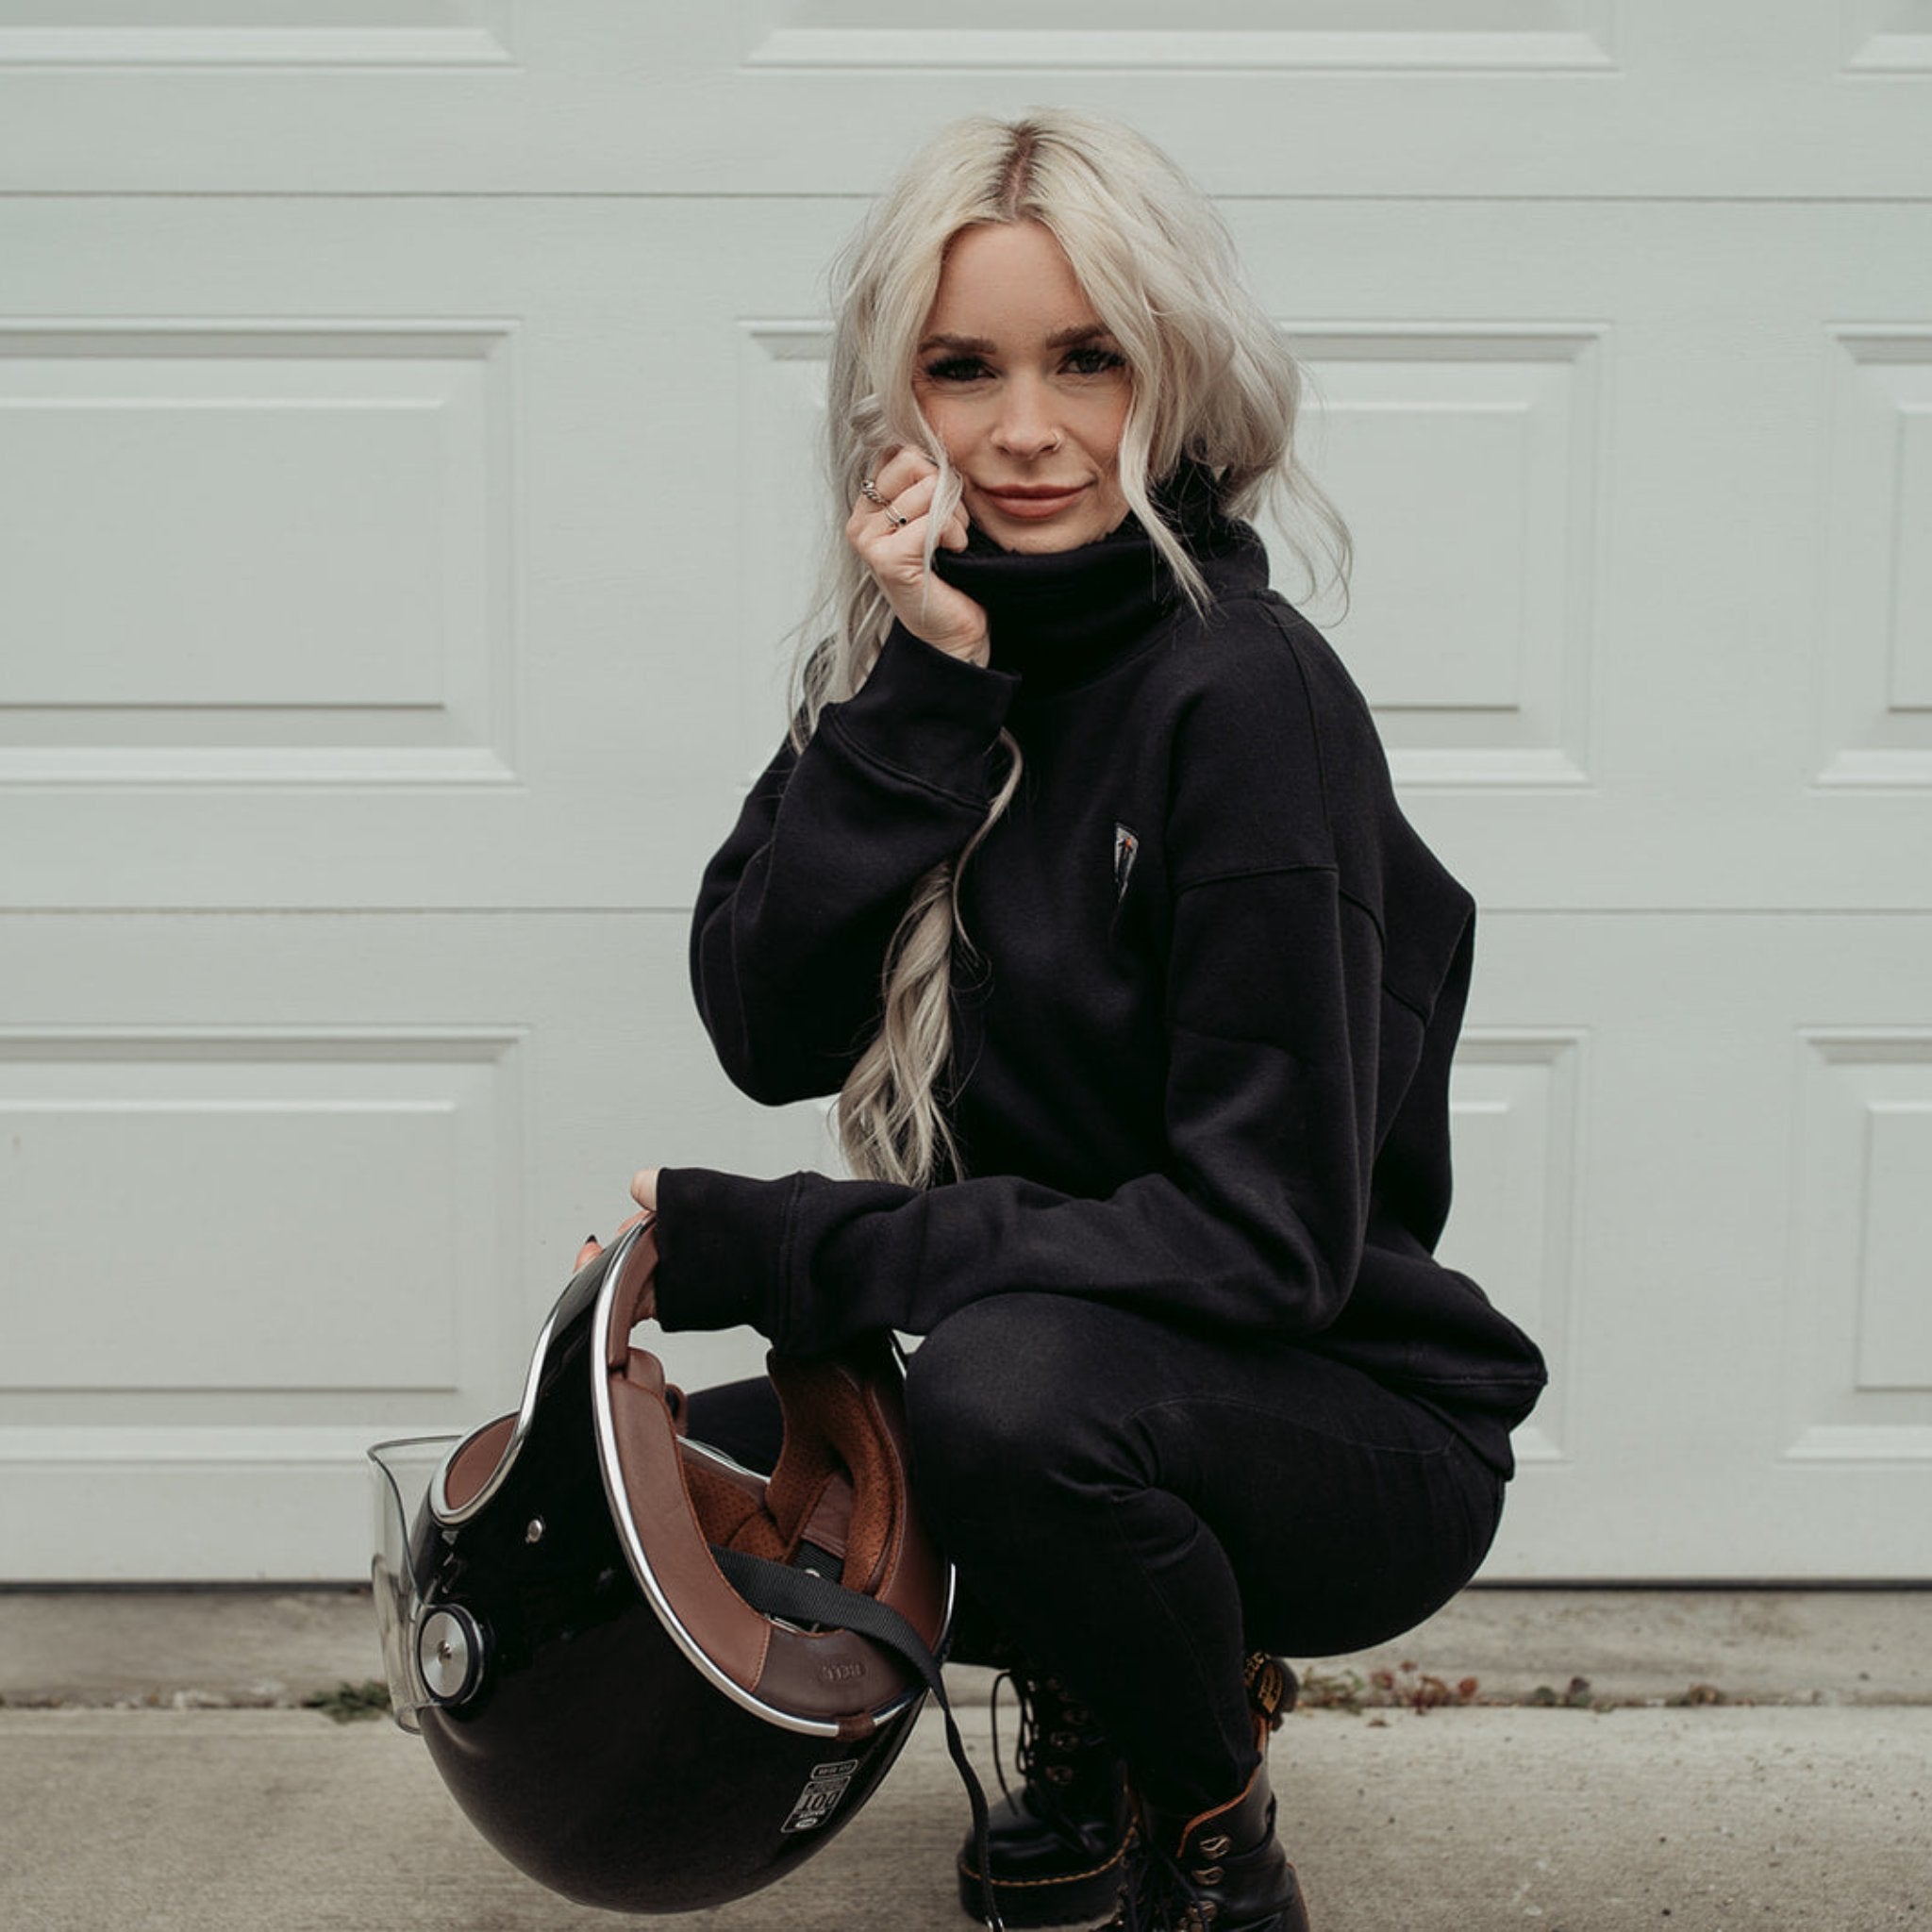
[
  {"x": 535, "y": 1533},
  {"x": 449, "y": 1653}
]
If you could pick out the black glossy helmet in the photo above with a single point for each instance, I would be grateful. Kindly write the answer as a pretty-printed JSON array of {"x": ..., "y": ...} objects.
[{"x": 615, "y": 1712}]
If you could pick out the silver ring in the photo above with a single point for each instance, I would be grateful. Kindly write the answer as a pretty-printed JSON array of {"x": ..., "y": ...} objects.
[
  {"x": 899, "y": 523},
  {"x": 870, "y": 491}
]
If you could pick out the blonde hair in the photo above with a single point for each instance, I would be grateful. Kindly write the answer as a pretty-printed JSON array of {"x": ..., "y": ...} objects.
[{"x": 1212, "y": 382}]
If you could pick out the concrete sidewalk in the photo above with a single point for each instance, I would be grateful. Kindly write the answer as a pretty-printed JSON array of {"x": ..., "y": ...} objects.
[{"x": 157, "y": 1771}]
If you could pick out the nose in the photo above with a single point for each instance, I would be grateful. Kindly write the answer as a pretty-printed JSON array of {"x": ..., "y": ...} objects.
[{"x": 1025, "y": 425}]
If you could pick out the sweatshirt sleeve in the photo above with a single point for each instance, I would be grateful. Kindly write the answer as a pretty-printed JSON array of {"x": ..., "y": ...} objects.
[
  {"x": 1255, "y": 1223},
  {"x": 795, "y": 913},
  {"x": 1255, "y": 1218}
]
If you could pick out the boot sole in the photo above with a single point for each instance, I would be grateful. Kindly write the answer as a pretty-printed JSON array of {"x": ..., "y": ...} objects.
[{"x": 1063, "y": 1901}]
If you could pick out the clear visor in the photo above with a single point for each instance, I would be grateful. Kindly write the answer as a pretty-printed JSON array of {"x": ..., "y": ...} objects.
[{"x": 401, "y": 1473}]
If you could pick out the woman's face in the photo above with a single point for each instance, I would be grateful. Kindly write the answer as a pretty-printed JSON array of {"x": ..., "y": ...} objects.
[{"x": 1026, "y": 389}]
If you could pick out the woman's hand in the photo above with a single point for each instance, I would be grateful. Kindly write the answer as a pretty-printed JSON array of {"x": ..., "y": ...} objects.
[
  {"x": 888, "y": 530},
  {"x": 644, "y": 1191}
]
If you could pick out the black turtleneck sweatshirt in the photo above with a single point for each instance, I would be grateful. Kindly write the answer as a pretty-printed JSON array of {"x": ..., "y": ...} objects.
[{"x": 1202, "y": 1045}]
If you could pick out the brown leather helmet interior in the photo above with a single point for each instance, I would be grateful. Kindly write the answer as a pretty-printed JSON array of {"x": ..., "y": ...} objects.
[{"x": 835, "y": 1486}]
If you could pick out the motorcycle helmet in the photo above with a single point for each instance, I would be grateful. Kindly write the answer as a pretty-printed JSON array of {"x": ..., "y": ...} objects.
[{"x": 634, "y": 1661}]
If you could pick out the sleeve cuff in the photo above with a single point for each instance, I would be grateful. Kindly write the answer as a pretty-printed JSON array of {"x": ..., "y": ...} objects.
[
  {"x": 927, "y": 714},
  {"x": 721, "y": 1250}
]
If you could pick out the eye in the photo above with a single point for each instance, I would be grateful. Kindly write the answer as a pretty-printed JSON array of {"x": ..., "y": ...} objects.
[
  {"x": 1091, "y": 359},
  {"x": 956, "y": 368}
]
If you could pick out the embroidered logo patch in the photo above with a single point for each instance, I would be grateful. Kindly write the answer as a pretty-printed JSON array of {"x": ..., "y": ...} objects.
[{"x": 1126, "y": 845}]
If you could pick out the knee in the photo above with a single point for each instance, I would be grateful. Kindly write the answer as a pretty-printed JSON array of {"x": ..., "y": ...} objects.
[{"x": 1000, "y": 1403}]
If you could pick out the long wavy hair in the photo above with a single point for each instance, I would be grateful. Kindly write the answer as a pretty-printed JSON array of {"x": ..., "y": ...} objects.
[{"x": 1211, "y": 381}]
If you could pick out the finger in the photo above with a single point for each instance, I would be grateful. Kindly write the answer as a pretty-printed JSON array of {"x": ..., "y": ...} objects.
[
  {"x": 869, "y": 488},
  {"x": 901, "y": 470},
  {"x": 891, "y": 537},
  {"x": 878, "y": 503},
  {"x": 644, "y": 1188},
  {"x": 912, "y": 502},
  {"x": 915, "y": 504}
]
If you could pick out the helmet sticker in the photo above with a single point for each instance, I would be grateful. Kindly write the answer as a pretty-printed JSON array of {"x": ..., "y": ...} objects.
[{"x": 820, "y": 1795}]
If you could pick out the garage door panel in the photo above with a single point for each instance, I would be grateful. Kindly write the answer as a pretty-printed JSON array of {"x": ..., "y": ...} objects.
[
  {"x": 1733, "y": 628},
  {"x": 309, "y": 33},
  {"x": 1580, "y": 97},
  {"x": 1748, "y": 1223},
  {"x": 1517, "y": 1111},
  {"x": 1475, "y": 457},
  {"x": 1643, "y": 1106},
  {"x": 263, "y": 552},
  {"x": 1252, "y": 35},
  {"x": 274, "y": 1187},
  {"x": 225, "y": 1150},
  {"x": 1859, "y": 1373},
  {"x": 1575, "y": 669},
  {"x": 434, "y": 590},
  {"x": 1876, "y": 686}
]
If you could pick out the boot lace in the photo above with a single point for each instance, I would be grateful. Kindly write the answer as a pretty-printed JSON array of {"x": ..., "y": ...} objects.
[
  {"x": 1157, "y": 1895},
  {"x": 1156, "y": 1898},
  {"x": 1052, "y": 1730}
]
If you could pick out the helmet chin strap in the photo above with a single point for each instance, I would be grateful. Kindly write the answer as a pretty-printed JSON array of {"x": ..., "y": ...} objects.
[{"x": 776, "y": 1590}]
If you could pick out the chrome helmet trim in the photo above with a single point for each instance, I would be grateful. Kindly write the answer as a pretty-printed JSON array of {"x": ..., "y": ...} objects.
[
  {"x": 440, "y": 1505},
  {"x": 623, "y": 1258}
]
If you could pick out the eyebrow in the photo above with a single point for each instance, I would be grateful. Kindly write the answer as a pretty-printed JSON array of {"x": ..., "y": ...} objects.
[{"x": 978, "y": 346}]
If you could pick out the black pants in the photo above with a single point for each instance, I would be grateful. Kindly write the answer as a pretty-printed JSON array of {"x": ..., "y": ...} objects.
[{"x": 1134, "y": 1505}]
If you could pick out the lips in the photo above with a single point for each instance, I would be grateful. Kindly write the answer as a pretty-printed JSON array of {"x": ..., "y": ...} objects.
[{"x": 1034, "y": 500}]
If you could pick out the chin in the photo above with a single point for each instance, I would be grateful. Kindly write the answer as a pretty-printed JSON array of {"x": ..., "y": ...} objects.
[
  {"x": 1032, "y": 542},
  {"x": 1043, "y": 540}
]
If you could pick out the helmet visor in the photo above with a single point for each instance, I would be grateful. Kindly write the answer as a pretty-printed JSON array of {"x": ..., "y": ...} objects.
[{"x": 401, "y": 1473}]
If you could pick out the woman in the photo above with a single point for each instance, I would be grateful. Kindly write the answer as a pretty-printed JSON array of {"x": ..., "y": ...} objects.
[{"x": 1080, "y": 881}]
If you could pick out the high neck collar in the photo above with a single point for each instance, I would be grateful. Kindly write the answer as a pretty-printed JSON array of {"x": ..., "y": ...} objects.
[{"x": 1060, "y": 618}]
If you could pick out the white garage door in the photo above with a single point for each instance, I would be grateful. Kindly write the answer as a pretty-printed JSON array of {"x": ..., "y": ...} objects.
[{"x": 405, "y": 458}]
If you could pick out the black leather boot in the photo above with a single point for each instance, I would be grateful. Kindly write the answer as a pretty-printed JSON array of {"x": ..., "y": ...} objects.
[
  {"x": 1216, "y": 1870},
  {"x": 1055, "y": 1845}
]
